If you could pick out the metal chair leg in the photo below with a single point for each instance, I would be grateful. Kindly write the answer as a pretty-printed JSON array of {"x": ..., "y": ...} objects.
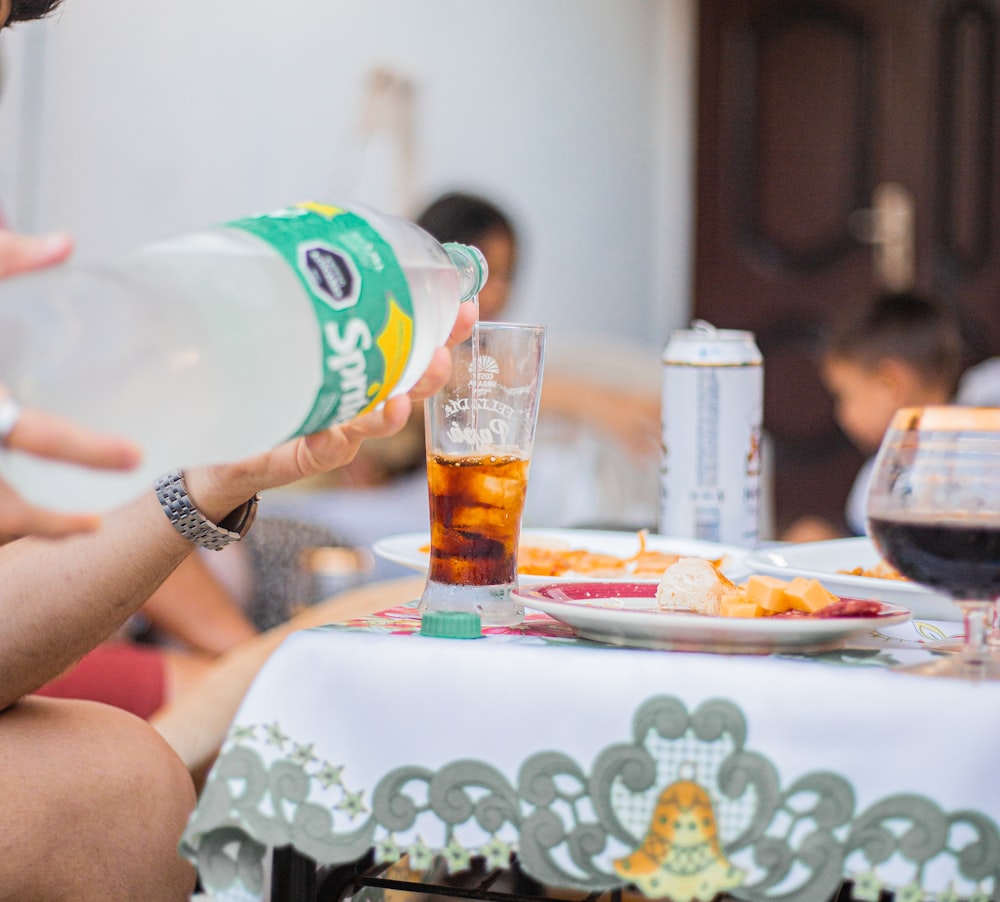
[{"x": 293, "y": 876}]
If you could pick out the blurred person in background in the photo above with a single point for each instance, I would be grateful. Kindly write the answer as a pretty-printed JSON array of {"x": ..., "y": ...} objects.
[
  {"x": 980, "y": 384},
  {"x": 898, "y": 350},
  {"x": 596, "y": 456}
]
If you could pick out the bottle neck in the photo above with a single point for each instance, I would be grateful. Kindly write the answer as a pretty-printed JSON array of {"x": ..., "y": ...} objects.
[{"x": 471, "y": 267}]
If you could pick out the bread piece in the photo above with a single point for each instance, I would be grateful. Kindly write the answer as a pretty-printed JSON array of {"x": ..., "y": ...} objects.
[{"x": 692, "y": 584}]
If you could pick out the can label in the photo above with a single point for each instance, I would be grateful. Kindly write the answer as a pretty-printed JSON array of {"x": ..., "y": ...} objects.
[
  {"x": 713, "y": 392},
  {"x": 361, "y": 298}
]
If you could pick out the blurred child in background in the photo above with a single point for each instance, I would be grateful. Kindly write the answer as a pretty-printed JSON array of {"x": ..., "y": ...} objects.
[{"x": 901, "y": 350}]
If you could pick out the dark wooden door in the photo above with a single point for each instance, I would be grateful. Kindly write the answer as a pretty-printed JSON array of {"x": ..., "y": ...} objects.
[{"x": 808, "y": 111}]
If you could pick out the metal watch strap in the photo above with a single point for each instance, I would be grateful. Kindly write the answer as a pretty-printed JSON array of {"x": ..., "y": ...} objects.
[{"x": 192, "y": 524}]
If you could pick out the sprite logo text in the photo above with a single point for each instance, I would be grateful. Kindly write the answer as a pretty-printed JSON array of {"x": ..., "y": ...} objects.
[{"x": 347, "y": 358}]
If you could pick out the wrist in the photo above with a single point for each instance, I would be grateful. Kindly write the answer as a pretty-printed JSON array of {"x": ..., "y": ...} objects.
[
  {"x": 199, "y": 522},
  {"x": 217, "y": 491}
]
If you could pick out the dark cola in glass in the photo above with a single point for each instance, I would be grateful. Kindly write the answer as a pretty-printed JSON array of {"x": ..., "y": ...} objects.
[{"x": 475, "y": 513}]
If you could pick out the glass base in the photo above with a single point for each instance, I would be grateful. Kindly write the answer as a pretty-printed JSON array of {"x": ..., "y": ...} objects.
[
  {"x": 971, "y": 656},
  {"x": 959, "y": 666},
  {"x": 954, "y": 645},
  {"x": 495, "y": 605}
]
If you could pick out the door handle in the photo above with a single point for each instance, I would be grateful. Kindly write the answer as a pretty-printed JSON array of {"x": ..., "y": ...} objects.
[{"x": 888, "y": 226}]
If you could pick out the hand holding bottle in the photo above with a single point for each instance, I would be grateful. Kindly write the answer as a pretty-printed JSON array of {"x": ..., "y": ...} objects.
[{"x": 39, "y": 433}]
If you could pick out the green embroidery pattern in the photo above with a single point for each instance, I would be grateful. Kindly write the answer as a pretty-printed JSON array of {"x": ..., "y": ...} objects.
[{"x": 568, "y": 825}]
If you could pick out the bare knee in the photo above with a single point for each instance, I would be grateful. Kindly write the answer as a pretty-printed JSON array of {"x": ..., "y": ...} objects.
[{"x": 95, "y": 803}]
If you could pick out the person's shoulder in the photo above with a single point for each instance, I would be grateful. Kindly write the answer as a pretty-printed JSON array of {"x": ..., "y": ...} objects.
[
  {"x": 980, "y": 384},
  {"x": 857, "y": 500}
]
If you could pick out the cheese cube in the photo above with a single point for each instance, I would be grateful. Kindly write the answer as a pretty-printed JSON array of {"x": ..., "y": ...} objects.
[
  {"x": 738, "y": 608},
  {"x": 807, "y": 595},
  {"x": 768, "y": 592}
]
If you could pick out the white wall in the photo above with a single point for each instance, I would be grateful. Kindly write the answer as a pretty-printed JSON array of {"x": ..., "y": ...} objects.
[{"x": 126, "y": 121}]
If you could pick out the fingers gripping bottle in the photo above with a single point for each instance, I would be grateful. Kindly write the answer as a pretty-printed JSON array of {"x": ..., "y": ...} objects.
[{"x": 223, "y": 343}]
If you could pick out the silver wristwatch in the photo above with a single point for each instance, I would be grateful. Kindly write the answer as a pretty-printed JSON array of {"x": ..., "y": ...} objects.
[{"x": 192, "y": 524}]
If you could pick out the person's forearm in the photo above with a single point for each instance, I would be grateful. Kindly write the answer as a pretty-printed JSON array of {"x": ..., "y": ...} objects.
[
  {"x": 61, "y": 598},
  {"x": 193, "y": 607}
]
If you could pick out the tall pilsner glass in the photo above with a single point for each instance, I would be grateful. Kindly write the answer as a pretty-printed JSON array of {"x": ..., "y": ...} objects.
[
  {"x": 480, "y": 432},
  {"x": 934, "y": 513}
]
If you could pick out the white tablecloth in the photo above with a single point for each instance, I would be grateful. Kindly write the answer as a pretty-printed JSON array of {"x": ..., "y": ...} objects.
[{"x": 681, "y": 774}]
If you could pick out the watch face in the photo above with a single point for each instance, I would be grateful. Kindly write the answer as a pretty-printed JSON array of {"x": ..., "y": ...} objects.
[{"x": 242, "y": 518}]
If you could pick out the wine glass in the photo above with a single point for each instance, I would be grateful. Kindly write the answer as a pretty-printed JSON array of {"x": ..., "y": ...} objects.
[{"x": 934, "y": 513}]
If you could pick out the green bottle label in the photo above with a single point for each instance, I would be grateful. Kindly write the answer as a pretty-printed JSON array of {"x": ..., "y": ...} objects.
[{"x": 361, "y": 298}]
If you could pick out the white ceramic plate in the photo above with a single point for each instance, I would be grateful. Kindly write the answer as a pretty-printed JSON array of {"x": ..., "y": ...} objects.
[
  {"x": 625, "y": 613},
  {"x": 825, "y": 560},
  {"x": 406, "y": 548}
]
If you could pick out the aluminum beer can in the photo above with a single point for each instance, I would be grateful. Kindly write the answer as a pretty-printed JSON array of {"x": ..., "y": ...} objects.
[{"x": 713, "y": 400}]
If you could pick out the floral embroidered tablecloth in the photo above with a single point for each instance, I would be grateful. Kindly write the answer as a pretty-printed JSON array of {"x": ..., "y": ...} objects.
[{"x": 682, "y": 775}]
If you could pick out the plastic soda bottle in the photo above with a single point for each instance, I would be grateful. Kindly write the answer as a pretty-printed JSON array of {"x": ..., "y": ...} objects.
[{"x": 220, "y": 344}]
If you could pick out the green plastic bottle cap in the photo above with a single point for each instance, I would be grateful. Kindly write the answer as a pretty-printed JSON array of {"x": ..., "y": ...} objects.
[{"x": 451, "y": 624}]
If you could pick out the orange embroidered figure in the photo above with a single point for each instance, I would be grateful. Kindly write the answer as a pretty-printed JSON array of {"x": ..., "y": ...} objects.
[{"x": 680, "y": 858}]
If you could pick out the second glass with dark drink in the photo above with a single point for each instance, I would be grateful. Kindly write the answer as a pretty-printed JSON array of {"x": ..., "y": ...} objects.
[
  {"x": 480, "y": 432},
  {"x": 934, "y": 514}
]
